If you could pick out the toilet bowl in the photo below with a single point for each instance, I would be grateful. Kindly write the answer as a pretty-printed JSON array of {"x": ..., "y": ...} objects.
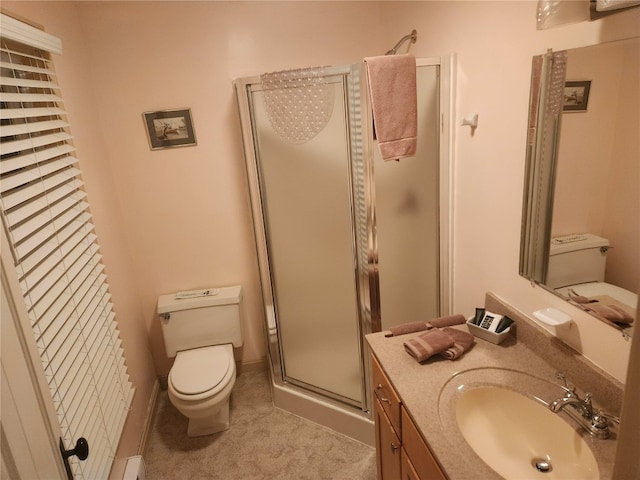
[
  {"x": 202, "y": 330},
  {"x": 199, "y": 386}
]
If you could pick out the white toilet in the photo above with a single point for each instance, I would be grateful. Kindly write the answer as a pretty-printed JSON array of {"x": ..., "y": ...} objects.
[
  {"x": 577, "y": 263},
  {"x": 201, "y": 333}
]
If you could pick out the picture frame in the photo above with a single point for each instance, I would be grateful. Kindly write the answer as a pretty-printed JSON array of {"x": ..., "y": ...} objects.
[
  {"x": 576, "y": 96},
  {"x": 169, "y": 128}
]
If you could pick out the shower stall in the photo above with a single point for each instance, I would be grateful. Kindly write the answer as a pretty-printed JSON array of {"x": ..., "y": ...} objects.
[{"x": 347, "y": 244}]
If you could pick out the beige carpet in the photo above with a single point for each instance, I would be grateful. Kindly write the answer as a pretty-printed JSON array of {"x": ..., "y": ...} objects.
[{"x": 262, "y": 443}]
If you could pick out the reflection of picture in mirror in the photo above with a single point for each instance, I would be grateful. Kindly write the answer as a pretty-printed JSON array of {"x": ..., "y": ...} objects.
[{"x": 576, "y": 96}]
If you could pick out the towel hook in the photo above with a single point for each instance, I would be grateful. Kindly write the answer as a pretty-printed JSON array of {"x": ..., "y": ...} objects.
[{"x": 413, "y": 36}]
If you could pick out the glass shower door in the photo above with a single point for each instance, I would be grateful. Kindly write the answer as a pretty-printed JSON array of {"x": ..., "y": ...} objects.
[{"x": 305, "y": 189}]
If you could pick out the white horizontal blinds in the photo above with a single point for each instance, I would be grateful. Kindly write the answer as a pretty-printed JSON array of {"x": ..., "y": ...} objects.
[{"x": 58, "y": 261}]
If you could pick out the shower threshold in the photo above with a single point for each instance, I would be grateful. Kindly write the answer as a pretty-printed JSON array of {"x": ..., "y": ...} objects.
[{"x": 343, "y": 419}]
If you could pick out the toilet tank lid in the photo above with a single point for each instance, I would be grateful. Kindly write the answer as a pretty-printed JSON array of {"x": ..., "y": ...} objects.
[
  {"x": 223, "y": 296},
  {"x": 575, "y": 242}
]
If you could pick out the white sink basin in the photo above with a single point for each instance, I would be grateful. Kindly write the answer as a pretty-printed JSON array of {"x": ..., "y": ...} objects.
[{"x": 520, "y": 438}]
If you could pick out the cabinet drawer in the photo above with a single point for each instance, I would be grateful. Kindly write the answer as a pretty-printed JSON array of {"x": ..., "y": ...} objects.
[
  {"x": 386, "y": 394},
  {"x": 418, "y": 451}
]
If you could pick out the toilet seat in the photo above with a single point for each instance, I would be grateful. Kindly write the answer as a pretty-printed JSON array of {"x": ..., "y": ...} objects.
[{"x": 201, "y": 370}]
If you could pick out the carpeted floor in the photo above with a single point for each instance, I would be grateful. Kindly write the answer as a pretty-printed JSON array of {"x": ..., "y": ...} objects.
[{"x": 262, "y": 443}]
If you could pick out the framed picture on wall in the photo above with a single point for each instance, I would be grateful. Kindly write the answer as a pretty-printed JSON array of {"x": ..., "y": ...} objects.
[
  {"x": 169, "y": 128},
  {"x": 576, "y": 96}
]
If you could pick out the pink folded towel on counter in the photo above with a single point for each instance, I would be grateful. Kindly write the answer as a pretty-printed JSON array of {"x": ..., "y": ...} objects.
[
  {"x": 405, "y": 328},
  {"x": 392, "y": 88},
  {"x": 414, "y": 327},
  {"x": 428, "y": 344},
  {"x": 448, "y": 321},
  {"x": 462, "y": 342}
]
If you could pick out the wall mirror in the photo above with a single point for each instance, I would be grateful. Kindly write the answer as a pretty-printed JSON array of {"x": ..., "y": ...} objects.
[{"x": 581, "y": 209}]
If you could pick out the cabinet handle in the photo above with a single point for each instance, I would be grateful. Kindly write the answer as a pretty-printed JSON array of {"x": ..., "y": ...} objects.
[
  {"x": 382, "y": 399},
  {"x": 394, "y": 447}
]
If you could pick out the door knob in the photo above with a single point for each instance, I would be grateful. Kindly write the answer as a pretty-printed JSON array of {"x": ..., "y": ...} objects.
[{"x": 81, "y": 450}]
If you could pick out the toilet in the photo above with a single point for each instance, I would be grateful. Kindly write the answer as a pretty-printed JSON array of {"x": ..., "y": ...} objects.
[
  {"x": 577, "y": 263},
  {"x": 201, "y": 331}
]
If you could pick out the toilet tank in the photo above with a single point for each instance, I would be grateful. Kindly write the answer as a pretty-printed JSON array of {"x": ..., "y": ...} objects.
[
  {"x": 575, "y": 259},
  {"x": 201, "y": 321}
]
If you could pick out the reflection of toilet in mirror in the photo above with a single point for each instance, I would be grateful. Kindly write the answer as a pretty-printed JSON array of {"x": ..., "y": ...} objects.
[
  {"x": 201, "y": 333},
  {"x": 576, "y": 271}
]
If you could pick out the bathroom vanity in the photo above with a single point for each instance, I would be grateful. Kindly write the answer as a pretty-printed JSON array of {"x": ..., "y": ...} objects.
[
  {"x": 418, "y": 434},
  {"x": 401, "y": 450}
]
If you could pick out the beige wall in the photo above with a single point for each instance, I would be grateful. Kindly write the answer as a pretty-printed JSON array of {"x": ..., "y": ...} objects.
[{"x": 179, "y": 219}]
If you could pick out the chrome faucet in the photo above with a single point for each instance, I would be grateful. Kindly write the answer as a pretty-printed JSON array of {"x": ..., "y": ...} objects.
[{"x": 597, "y": 424}]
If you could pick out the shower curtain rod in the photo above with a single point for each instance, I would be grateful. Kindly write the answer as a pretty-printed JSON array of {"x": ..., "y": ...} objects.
[{"x": 413, "y": 36}]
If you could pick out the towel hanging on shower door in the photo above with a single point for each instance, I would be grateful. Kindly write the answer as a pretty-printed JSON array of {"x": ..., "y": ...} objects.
[{"x": 392, "y": 89}]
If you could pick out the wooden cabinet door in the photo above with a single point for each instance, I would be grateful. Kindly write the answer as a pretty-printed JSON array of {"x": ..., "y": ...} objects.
[
  {"x": 419, "y": 453},
  {"x": 388, "y": 446},
  {"x": 408, "y": 472},
  {"x": 385, "y": 392}
]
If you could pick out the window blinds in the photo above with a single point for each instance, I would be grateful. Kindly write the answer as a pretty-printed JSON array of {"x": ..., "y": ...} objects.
[{"x": 57, "y": 259}]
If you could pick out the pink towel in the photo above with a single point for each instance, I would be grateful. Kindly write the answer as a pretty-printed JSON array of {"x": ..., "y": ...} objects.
[
  {"x": 462, "y": 342},
  {"x": 414, "y": 327},
  {"x": 392, "y": 88},
  {"x": 610, "y": 312},
  {"x": 447, "y": 321},
  {"x": 428, "y": 344},
  {"x": 411, "y": 327}
]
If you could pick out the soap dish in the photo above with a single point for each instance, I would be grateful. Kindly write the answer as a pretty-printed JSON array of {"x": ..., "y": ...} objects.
[
  {"x": 485, "y": 334},
  {"x": 552, "y": 317}
]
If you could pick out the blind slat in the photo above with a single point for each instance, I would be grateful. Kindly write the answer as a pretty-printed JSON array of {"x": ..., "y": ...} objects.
[
  {"x": 33, "y": 224},
  {"x": 23, "y": 67},
  {"x": 29, "y": 175},
  {"x": 7, "y": 148},
  {"x": 26, "y": 160},
  {"x": 32, "y": 127},
  {"x": 27, "y": 83},
  {"x": 16, "y": 113},
  {"x": 11, "y": 97},
  {"x": 32, "y": 198}
]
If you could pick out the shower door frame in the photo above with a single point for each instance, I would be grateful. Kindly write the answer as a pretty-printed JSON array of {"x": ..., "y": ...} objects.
[{"x": 367, "y": 284}]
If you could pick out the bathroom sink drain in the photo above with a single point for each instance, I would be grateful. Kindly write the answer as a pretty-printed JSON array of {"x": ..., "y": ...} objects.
[{"x": 542, "y": 465}]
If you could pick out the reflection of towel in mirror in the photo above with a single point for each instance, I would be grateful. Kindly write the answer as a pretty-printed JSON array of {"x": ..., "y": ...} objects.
[
  {"x": 612, "y": 313},
  {"x": 392, "y": 88},
  {"x": 462, "y": 342},
  {"x": 428, "y": 344},
  {"x": 580, "y": 299}
]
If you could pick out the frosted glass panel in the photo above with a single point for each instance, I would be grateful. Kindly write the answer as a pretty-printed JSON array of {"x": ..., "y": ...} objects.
[
  {"x": 407, "y": 218},
  {"x": 307, "y": 208}
]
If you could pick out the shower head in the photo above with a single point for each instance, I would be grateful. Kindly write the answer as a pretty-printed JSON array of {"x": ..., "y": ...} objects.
[{"x": 413, "y": 36}]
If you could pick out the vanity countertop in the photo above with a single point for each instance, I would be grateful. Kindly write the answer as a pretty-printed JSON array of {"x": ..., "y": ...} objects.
[{"x": 531, "y": 349}]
